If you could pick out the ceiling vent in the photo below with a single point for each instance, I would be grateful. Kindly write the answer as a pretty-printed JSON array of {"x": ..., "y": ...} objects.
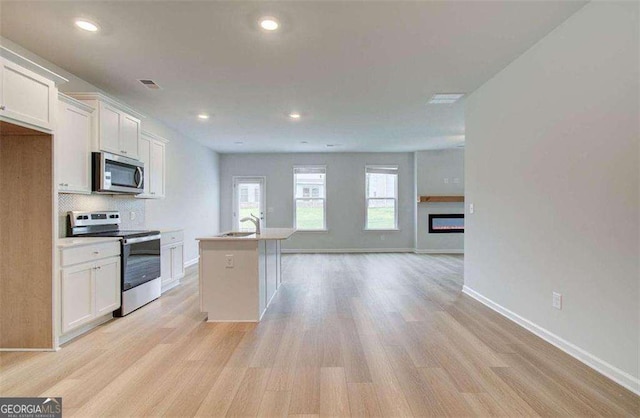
[
  {"x": 150, "y": 84},
  {"x": 445, "y": 98}
]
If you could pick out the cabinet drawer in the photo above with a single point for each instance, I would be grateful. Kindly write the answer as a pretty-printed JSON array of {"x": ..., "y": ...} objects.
[
  {"x": 172, "y": 237},
  {"x": 87, "y": 253}
]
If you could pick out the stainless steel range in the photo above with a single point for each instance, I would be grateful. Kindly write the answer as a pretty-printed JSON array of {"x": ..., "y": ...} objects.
[{"x": 140, "y": 252}]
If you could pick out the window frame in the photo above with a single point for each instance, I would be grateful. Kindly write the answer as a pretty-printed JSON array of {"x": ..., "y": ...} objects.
[
  {"x": 367, "y": 198},
  {"x": 324, "y": 198}
]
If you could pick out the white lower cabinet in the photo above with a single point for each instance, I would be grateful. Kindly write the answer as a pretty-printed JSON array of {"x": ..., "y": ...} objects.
[
  {"x": 89, "y": 283},
  {"x": 77, "y": 296},
  {"x": 107, "y": 286},
  {"x": 171, "y": 259}
]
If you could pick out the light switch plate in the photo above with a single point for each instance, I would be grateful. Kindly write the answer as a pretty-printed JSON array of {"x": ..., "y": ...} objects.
[
  {"x": 557, "y": 300},
  {"x": 470, "y": 207}
]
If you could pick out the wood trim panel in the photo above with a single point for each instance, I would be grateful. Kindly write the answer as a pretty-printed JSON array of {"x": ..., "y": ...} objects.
[
  {"x": 440, "y": 199},
  {"x": 26, "y": 241}
]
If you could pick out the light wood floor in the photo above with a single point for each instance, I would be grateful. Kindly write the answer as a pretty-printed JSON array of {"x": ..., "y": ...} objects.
[{"x": 370, "y": 334}]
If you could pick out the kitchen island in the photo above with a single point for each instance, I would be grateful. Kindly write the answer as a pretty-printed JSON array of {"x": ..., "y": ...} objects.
[{"x": 240, "y": 273}]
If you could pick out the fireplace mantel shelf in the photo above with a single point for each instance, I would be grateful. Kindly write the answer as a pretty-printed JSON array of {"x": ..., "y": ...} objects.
[{"x": 440, "y": 199}]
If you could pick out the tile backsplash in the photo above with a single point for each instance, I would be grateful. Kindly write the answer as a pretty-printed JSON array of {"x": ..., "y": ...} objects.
[{"x": 124, "y": 204}]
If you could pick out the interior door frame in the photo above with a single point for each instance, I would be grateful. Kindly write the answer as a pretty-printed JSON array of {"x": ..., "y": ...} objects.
[{"x": 235, "y": 201}]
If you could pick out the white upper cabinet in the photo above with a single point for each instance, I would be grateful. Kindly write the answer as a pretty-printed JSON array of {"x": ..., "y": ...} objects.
[
  {"x": 26, "y": 98},
  {"x": 117, "y": 126},
  {"x": 157, "y": 169},
  {"x": 129, "y": 136},
  {"x": 144, "y": 148},
  {"x": 73, "y": 145},
  {"x": 109, "y": 128},
  {"x": 152, "y": 154}
]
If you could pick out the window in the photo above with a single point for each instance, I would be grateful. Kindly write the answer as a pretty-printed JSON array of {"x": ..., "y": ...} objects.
[
  {"x": 310, "y": 205},
  {"x": 244, "y": 195},
  {"x": 382, "y": 197}
]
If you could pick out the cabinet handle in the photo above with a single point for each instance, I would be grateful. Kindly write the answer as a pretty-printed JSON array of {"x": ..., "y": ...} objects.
[
  {"x": 153, "y": 192},
  {"x": 96, "y": 252},
  {"x": 124, "y": 152},
  {"x": 61, "y": 184},
  {"x": 2, "y": 107},
  {"x": 66, "y": 184}
]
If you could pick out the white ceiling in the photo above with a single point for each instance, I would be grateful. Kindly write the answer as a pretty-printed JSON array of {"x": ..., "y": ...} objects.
[{"x": 359, "y": 73}]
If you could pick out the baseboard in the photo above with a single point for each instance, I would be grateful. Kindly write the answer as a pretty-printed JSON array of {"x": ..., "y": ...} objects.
[
  {"x": 192, "y": 262},
  {"x": 430, "y": 251},
  {"x": 619, "y": 376},
  {"x": 65, "y": 338},
  {"x": 169, "y": 286},
  {"x": 346, "y": 250}
]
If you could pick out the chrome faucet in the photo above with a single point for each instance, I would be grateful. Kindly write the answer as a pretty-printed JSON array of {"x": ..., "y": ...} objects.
[{"x": 255, "y": 220}]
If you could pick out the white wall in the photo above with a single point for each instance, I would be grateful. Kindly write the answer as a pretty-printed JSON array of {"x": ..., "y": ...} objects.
[
  {"x": 552, "y": 157},
  {"x": 192, "y": 186},
  {"x": 433, "y": 168},
  {"x": 192, "y": 199},
  {"x": 345, "y": 197}
]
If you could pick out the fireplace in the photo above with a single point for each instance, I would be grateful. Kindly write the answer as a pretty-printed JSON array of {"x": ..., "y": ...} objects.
[{"x": 446, "y": 223}]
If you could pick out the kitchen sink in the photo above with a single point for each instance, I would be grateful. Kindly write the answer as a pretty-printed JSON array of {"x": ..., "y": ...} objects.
[{"x": 237, "y": 234}]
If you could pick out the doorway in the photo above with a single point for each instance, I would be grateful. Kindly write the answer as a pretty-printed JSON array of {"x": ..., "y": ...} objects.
[{"x": 248, "y": 199}]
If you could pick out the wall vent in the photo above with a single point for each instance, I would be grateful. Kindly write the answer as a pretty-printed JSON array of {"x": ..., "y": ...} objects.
[{"x": 150, "y": 84}]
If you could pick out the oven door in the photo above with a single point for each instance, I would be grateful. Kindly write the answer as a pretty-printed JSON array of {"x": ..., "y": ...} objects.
[
  {"x": 116, "y": 174},
  {"x": 140, "y": 261}
]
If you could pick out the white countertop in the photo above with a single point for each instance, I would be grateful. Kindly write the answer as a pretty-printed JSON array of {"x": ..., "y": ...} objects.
[
  {"x": 265, "y": 234},
  {"x": 165, "y": 230},
  {"x": 77, "y": 242}
]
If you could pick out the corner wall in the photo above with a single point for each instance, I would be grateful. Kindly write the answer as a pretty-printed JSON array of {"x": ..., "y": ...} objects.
[{"x": 552, "y": 157}]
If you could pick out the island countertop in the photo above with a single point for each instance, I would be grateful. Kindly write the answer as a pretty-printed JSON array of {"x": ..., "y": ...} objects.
[{"x": 265, "y": 234}]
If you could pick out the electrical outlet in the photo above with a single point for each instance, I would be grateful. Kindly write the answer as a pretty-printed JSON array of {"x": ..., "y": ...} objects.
[
  {"x": 470, "y": 207},
  {"x": 446, "y": 180},
  {"x": 456, "y": 180},
  {"x": 228, "y": 261},
  {"x": 557, "y": 300},
  {"x": 132, "y": 215}
]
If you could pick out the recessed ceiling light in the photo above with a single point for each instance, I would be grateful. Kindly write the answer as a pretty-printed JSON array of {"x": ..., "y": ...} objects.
[
  {"x": 238, "y": 142},
  {"x": 86, "y": 25},
  {"x": 304, "y": 142},
  {"x": 445, "y": 98},
  {"x": 203, "y": 116},
  {"x": 294, "y": 115},
  {"x": 269, "y": 23}
]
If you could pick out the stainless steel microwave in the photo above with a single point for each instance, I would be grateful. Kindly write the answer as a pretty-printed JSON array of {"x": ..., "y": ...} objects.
[{"x": 116, "y": 174}]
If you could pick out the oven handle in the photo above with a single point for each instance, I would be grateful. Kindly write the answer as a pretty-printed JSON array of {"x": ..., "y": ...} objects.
[{"x": 140, "y": 239}]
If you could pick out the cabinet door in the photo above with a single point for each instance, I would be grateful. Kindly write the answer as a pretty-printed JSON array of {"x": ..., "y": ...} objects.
[
  {"x": 129, "y": 136},
  {"x": 109, "y": 131},
  {"x": 177, "y": 261},
  {"x": 76, "y": 296},
  {"x": 144, "y": 150},
  {"x": 107, "y": 286},
  {"x": 156, "y": 172},
  {"x": 26, "y": 96},
  {"x": 165, "y": 264},
  {"x": 73, "y": 149}
]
